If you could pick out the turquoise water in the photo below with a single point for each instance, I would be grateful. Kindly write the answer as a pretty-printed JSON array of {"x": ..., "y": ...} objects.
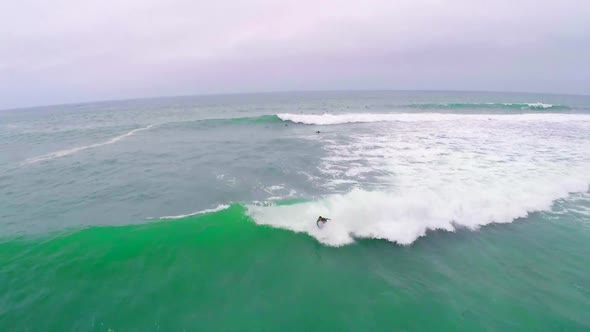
[{"x": 450, "y": 211}]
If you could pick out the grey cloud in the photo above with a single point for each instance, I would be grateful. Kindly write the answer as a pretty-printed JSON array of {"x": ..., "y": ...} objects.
[{"x": 68, "y": 51}]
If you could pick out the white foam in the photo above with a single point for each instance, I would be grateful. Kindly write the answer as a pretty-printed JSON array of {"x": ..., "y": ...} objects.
[
  {"x": 220, "y": 207},
  {"x": 63, "y": 153},
  {"x": 403, "y": 217},
  {"x": 399, "y": 180},
  {"x": 540, "y": 105},
  {"x": 292, "y": 193},
  {"x": 333, "y": 119},
  {"x": 274, "y": 188},
  {"x": 533, "y": 105}
]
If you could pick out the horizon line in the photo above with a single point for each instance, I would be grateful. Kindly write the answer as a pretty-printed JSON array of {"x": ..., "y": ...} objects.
[{"x": 276, "y": 92}]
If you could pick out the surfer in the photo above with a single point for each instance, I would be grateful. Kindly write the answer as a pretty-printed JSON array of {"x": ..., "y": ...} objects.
[{"x": 321, "y": 220}]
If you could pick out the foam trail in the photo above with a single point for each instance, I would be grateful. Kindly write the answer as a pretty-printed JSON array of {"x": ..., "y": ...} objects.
[
  {"x": 333, "y": 119},
  {"x": 220, "y": 207},
  {"x": 67, "y": 152}
]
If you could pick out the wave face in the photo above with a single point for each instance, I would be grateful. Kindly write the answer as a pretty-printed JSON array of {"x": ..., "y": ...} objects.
[
  {"x": 251, "y": 120},
  {"x": 407, "y": 174},
  {"x": 187, "y": 264}
]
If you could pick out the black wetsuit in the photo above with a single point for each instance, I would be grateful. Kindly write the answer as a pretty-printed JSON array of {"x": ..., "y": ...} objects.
[{"x": 321, "y": 219}]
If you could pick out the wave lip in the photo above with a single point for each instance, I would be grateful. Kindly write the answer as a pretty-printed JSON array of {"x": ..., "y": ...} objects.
[
  {"x": 220, "y": 207},
  {"x": 535, "y": 105},
  {"x": 67, "y": 152}
]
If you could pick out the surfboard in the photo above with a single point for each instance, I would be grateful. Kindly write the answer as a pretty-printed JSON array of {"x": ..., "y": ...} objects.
[{"x": 321, "y": 224}]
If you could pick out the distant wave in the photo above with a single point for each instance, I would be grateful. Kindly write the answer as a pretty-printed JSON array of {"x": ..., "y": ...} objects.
[
  {"x": 262, "y": 119},
  {"x": 333, "y": 119},
  {"x": 220, "y": 207},
  {"x": 516, "y": 106},
  {"x": 63, "y": 153},
  {"x": 327, "y": 118}
]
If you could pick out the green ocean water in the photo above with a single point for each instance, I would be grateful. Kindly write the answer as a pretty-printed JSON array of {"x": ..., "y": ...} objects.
[
  {"x": 222, "y": 272},
  {"x": 477, "y": 220}
]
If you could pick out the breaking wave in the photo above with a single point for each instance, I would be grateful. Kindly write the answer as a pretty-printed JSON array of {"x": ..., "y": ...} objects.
[
  {"x": 511, "y": 106},
  {"x": 431, "y": 171},
  {"x": 333, "y": 119},
  {"x": 404, "y": 217}
]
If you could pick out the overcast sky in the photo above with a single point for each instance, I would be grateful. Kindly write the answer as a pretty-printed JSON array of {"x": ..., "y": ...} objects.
[{"x": 64, "y": 51}]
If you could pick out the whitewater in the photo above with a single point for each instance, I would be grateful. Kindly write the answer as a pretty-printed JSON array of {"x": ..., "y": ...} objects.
[{"x": 407, "y": 174}]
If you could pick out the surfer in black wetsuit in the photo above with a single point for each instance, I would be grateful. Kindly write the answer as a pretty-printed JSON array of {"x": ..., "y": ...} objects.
[{"x": 321, "y": 220}]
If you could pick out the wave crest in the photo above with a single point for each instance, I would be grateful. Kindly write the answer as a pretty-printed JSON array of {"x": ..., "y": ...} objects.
[
  {"x": 509, "y": 106},
  {"x": 334, "y": 119},
  {"x": 220, "y": 207},
  {"x": 404, "y": 217}
]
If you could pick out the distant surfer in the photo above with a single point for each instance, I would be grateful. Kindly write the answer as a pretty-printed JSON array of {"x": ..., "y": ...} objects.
[
  {"x": 321, "y": 221},
  {"x": 317, "y": 132}
]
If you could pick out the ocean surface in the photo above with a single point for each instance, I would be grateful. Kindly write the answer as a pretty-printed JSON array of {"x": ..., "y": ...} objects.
[{"x": 449, "y": 212}]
